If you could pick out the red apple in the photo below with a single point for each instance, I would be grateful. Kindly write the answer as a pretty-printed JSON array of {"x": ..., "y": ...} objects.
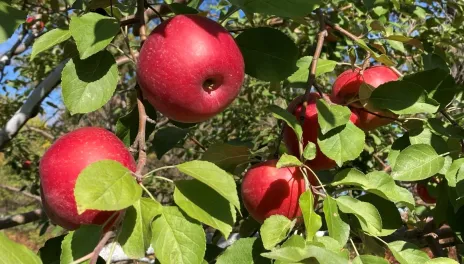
[
  {"x": 268, "y": 191},
  {"x": 190, "y": 68},
  {"x": 27, "y": 164},
  {"x": 346, "y": 89},
  {"x": 367, "y": 121},
  {"x": 61, "y": 165},
  {"x": 310, "y": 133},
  {"x": 424, "y": 194}
]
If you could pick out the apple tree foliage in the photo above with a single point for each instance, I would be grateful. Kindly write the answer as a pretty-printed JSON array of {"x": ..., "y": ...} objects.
[{"x": 368, "y": 207}]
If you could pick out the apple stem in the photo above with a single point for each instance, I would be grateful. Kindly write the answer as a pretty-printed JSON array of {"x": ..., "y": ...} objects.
[
  {"x": 354, "y": 247},
  {"x": 148, "y": 192},
  {"x": 158, "y": 169}
]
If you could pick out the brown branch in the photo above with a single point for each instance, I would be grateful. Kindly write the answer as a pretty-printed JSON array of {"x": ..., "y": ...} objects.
[
  {"x": 317, "y": 53},
  {"x": 192, "y": 138},
  {"x": 379, "y": 115},
  {"x": 25, "y": 193},
  {"x": 141, "y": 16},
  {"x": 41, "y": 132},
  {"x": 21, "y": 219},
  {"x": 107, "y": 236},
  {"x": 142, "y": 159}
]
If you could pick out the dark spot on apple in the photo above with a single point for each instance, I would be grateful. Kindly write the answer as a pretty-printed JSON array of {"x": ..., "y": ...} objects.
[{"x": 212, "y": 83}]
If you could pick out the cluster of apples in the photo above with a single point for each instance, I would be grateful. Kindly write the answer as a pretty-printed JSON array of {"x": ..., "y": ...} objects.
[
  {"x": 189, "y": 69},
  {"x": 267, "y": 190}
]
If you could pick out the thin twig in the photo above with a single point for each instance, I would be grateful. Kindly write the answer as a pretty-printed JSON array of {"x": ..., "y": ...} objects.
[
  {"x": 142, "y": 159},
  {"x": 107, "y": 236},
  {"x": 28, "y": 194},
  {"x": 154, "y": 10},
  {"x": 379, "y": 115},
  {"x": 141, "y": 16},
  {"x": 313, "y": 67},
  {"x": 198, "y": 143}
]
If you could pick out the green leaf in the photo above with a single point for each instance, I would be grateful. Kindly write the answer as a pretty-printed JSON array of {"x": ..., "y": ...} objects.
[
  {"x": 79, "y": 243},
  {"x": 377, "y": 26},
  {"x": 178, "y": 239},
  {"x": 88, "y": 84},
  {"x": 290, "y": 119},
  {"x": 403, "y": 97},
  {"x": 397, "y": 146},
  {"x": 245, "y": 250},
  {"x": 417, "y": 162},
  {"x": 451, "y": 174},
  {"x": 294, "y": 241},
  {"x": 396, "y": 45},
  {"x": 10, "y": 19},
  {"x": 274, "y": 230},
  {"x": 441, "y": 261},
  {"x": 127, "y": 126},
  {"x": 288, "y": 161},
  {"x": 269, "y": 54},
  {"x": 48, "y": 40},
  {"x": 12, "y": 252},
  {"x": 219, "y": 214},
  {"x": 383, "y": 185},
  {"x": 179, "y": 9},
  {"x": 301, "y": 75},
  {"x": 50, "y": 253},
  {"x": 350, "y": 176},
  {"x": 368, "y": 259},
  {"x": 214, "y": 177},
  {"x": 135, "y": 233},
  {"x": 380, "y": 58},
  {"x": 433, "y": 61},
  {"x": 331, "y": 244},
  {"x": 367, "y": 214},
  {"x": 286, "y": 8},
  {"x": 92, "y": 32},
  {"x": 391, "y": 218},
  {"x": 106, "y": 185},
  {"x": 425, "y": 136},
  {"x": 438, "y": 83},
  {"x": 166, "y": 139},
  {"x": 309, "y": 152},
  {"x": 311, "y": 219},
  {"x": 331, "y": 116},
  {"x": 338, "y": 229},
  {"x": 343, "y": 143},
  {"x": 300, "y": 255},
  {"x": 227, "y": 156},
  {"x": 407, "y": 253}
]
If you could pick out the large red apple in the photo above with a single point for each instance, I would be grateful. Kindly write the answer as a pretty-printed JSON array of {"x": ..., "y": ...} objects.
[
  {"x": 190, "y": 68},
  {"x": 268, "y": 191},
  {"x": 346, "y": 89},
  {"x": 310, "y": 133},
  {"x": 61, "y": 165}
]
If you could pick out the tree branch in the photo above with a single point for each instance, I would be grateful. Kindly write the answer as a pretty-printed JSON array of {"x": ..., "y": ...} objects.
[
  {"x": 41, "y": 132},
  {"x": 25, "y": 193},
  {"x": 19, "y": 119},
  {"x": 35, "y": 98},
  {"x": 21, "y": 219}
]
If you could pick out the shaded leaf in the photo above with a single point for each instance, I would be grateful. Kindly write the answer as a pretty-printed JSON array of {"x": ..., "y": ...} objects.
[{"x": 219, "y": 214}]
